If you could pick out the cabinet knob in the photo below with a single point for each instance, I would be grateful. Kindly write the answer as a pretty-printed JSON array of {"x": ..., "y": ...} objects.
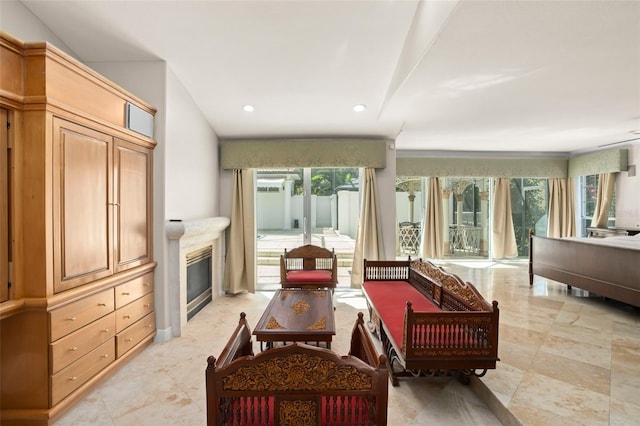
[
  {"x": 146, "y": 305},
  {"x": 126, "y": 316},
  {"x": 73, "y": 378},
  {"x": 128, "y": 339},
  {"x": 149, "y": 325},
  {"x": 105, "y": 356},
  {"x": 102, "y": 304},
  {"x": 71, "y": 318},
  {"x": 106, "y": 330},
  {"x": 146, "y": 284},
  {"x": 126, "y": 293},
  {"x": 75, "y": 348}
]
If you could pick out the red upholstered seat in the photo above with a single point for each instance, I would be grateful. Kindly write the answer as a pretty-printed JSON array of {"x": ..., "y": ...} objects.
[
  {"x": 390, "y": 299},
  {"x": 309, "y": 276}
]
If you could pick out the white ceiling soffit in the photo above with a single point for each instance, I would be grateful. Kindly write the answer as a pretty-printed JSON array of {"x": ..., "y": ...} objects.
[{"x": 534, "y": 76}]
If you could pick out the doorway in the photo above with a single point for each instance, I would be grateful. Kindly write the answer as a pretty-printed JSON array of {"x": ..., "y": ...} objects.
[{"x": 298, "y": 206}]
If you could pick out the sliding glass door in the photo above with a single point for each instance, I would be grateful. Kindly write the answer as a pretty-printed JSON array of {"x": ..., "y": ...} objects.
[{"x": 297, "y": 206}]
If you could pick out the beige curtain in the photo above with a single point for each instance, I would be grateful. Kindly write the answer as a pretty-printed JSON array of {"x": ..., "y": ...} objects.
[
  {"x": 504, "y": 237},
  {"x": 606, "y": 182},
  {"x": 239, "y": 271},
  {"x": 369, "y": 237},
  {"x": 562, "y": 213},
  {"x": 432, "y": 238}
]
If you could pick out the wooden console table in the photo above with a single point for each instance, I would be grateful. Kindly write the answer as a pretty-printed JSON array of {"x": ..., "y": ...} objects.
[{"x": 297, "y": 315}]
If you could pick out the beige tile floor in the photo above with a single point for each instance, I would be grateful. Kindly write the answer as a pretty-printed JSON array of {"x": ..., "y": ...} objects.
[{"x": 566, "y": 359}]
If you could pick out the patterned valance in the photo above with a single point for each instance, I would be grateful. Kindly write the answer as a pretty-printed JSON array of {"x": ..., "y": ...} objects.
[
  {"x": 271, "y": 153},
  {"x": 481, "y": 167},
  {"x": 610, "y": 161}
]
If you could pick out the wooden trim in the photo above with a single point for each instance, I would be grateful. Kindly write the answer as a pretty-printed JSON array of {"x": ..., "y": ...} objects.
[{"x": 5, "y": 254}]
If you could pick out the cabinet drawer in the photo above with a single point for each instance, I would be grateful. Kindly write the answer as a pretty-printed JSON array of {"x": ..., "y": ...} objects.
[
  {"x": 133, "y": 312},
  {"x": 80, "y": 313},
  {"x": 132, "y": 290},
  {"x": 79, "y": 343},
  {"x": 134, "y": 334},
  {"x": 77, "y": 373}
]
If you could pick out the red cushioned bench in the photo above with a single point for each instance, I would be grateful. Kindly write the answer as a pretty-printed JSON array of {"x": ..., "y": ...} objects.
[
  {"x": 310, "y": 267},
  {"x": 297, "y": 384},
  {"x": 430, "y": 322}
]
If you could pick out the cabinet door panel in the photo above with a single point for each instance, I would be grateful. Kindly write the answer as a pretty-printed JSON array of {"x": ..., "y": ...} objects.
[
  {"x": 83, "y": 207},
  {"x": 133, "y": 182}
]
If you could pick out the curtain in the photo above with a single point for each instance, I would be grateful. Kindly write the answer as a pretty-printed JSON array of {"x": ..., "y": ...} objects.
[
  {"x": 606, "y": 182},
  {"x": 562, "y": 213},
  {"x": 432, "y": 238},
  {"x": 369, "y": 237},
  {"x": 504, "y": 237},
  {"x": 239, "y": 271}
]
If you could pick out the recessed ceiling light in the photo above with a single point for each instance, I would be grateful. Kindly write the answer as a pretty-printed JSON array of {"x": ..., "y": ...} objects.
[
  {"x": 359, "y": 107},
  {"x": 248, "y": 108}
]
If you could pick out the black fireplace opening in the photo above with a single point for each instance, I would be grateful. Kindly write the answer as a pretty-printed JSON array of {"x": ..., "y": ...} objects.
[{"x": 198, "y": 280}]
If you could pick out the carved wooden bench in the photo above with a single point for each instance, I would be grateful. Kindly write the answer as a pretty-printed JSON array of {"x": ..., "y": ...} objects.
[
  {"x": 310, "y": 267},
  {"x": 430, "y": 322},
  {"x": 297, "y": 384}
]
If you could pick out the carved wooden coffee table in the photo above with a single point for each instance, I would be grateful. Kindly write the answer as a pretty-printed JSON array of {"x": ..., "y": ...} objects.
[{"x": 297, "y": 315}]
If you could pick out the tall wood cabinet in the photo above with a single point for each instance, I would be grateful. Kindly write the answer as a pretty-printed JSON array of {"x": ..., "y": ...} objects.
[{"x": 77, "y": 248}]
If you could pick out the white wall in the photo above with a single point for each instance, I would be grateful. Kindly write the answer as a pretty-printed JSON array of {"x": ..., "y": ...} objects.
[
  {"x": 18, "y": 21},
  {"x": 386, "y": 180},
  {"x": 270, "y": 206},
  {"x": 323, "y": 211},
  {"x": 191, "y": 182},
  {"x": 628, "y": 192}
]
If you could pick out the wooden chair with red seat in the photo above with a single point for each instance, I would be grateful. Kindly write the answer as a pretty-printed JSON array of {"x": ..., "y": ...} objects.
[{"x": 309, "y": 267}]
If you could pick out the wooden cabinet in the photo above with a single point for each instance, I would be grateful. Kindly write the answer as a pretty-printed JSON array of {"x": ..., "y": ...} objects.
[
  {"x": 4, "y": 206},
  {"x": 132, "y": 199},
  {"x": 78, "y": 210},
  {"x": 83, "y": 204}
]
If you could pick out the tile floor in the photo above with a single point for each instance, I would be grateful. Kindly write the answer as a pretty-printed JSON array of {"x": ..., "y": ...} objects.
[{"x": 566, "y": 359}]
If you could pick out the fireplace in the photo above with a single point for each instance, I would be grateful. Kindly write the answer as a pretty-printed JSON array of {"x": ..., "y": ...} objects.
[
  {"x": 196, "y": 253},
  {"x": 198, "y": 280}
]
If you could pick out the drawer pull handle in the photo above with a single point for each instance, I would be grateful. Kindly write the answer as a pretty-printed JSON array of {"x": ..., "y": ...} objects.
[
  {"x": 146, "y": 305},
  {"x": 146, "y": 284},
  {"x": 149, "y": 325},
  {"x": 129, "y": 339},
  {"x": 126, "y": 293},
  {"x": 75, "y": 348},
  {"x": 105, "y": 356},
  {"x": 106, "y": 330},
  {"x": 71, "y": 318},
  {"x": 127, "y": 317},
  {"x": 102, "y": 304},
  {"x": 74, "y": 378}
]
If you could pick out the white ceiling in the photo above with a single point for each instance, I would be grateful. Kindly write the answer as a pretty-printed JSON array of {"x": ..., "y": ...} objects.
[{"x": 536, "y": 76}]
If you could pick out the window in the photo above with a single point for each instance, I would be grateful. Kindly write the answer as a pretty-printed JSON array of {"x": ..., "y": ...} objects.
[
  {"x": 589, "y": 195},
  {"x": 529, "y": 205}
]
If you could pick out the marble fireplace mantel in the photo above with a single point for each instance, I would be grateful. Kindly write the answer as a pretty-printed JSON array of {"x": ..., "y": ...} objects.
[{"x": 186, "y": 236}]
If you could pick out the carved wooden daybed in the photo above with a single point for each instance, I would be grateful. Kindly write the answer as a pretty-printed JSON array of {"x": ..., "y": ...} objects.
[
  {"x": 430, "y": 322},
  {"x": 297, "y": 384},
  {"x": 309, "y": 266},
  {"x": 608, "y": 267}
]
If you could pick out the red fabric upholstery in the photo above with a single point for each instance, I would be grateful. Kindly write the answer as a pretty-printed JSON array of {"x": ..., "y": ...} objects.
[
  {"x": 345, "y": 410},
  {"x": 390, "y": 299},
  {"x": 309, "y": 276},
  {"x": 334, "y": 410}
]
